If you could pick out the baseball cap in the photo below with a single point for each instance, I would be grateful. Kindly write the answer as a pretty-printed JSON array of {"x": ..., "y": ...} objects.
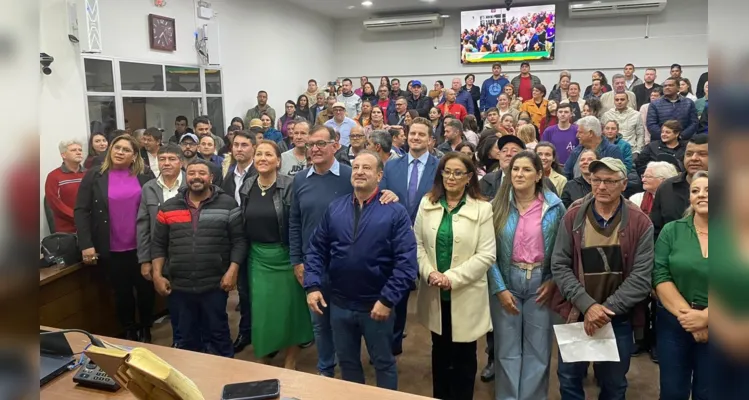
[
  {"x": 256, "y": 122},
  {"x": 416, "y": 83},
  {"x": 611, "y": 163},
  {"x": 189, "y": 136},
  {"x": 501, "y": 142},
  {"x": 338, "y": 104},
  {"x": 524, "y": 64}
]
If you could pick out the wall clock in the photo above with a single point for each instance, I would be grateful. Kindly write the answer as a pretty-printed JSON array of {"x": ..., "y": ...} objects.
[{"x": 161, "y": 33}]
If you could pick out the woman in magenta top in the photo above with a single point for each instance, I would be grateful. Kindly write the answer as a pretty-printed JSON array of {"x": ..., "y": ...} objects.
[
  {"x": 526, "y": 218},
  {"x": 105, "y": 214}
]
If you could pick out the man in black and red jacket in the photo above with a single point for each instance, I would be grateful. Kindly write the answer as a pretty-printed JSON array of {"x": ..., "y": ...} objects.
[{"x": 200, "y": 232}]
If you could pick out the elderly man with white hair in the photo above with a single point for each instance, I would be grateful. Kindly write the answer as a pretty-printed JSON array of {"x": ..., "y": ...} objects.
[
  {"x": 619, "y": 83},
  {"x": 589, "y": 134},
  {"x": 655, "y": 173},
  {"x": 61, "y": 186}
]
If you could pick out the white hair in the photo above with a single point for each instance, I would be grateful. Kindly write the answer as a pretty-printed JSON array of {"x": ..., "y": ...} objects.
[
  {"x": 63, "y": 146},
  {"x": 590, "y": 123},
  {"x": 138, "y": 133},
  {"x": 662, "y": 169}
]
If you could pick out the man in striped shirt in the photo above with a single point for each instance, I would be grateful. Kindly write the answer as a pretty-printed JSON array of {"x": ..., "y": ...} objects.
[{"x": 61, "y": 187}]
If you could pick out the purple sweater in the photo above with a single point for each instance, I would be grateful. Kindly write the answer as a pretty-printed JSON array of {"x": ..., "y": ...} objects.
[
  {"x": 124, "y": 200},
  {"x": 563, "y": 140}
]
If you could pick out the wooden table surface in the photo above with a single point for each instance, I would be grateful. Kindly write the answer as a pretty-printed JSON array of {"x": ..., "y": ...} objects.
[
  {"x": 211, "y": 373},
  {"x": 51, "y": 274}
]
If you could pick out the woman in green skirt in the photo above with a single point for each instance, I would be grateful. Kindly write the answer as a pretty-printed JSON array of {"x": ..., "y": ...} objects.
[{"x": 280, "y": 318}]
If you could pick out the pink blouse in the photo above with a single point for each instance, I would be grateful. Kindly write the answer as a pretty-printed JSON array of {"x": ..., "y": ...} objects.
[{"x": 528, "y": 245}]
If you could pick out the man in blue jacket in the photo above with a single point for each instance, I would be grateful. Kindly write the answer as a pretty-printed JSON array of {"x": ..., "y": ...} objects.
[
  {"x": 492, "y": 88},
  {"x": 368, "y": 251},
  {"x": 672, "y": 106},
  {"x": 590, "y": 135},
  {"x": 410, "y": 178}
]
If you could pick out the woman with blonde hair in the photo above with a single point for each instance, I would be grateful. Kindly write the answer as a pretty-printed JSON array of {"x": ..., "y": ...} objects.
[
  {"x": 680, "y": 279},
  {"x": 527, "y": 133},
  {"x": 106, "y": 213},
  {"x": 455, "y": 247},
  {"x": 526, "y": 220}
]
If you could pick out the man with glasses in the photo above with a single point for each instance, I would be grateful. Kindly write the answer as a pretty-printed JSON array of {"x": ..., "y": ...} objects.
[
  {"x": 341, "y": 123},
  {"x": 314, "y": 189},
  {"x": 189, "y": 145},
  {"x": 602, "y": 264},
  {"x": 410, "y": 177},
  {"x": 398, "y": 116},
  {"x": 358, "y": 143},
  {"x": 589, "y": 134}
]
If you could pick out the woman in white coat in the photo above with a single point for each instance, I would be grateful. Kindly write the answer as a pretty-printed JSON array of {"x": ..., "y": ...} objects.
[{"x": 456, "y": 246}]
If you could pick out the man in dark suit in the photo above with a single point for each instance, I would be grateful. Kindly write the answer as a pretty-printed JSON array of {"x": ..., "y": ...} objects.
[{"x": 410, "y": 178}]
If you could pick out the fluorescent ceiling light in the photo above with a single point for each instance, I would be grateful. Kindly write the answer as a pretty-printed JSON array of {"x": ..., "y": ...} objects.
[
  {"x": 351, "y": 7},
  {"x": 367, "y": 3}
]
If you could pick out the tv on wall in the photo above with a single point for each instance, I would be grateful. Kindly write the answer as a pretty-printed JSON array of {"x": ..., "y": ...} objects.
[{"x": 497, "y": 35}]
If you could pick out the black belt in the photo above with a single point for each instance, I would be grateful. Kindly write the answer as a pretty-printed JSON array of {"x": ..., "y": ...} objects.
[{"x": 697, "y": 307}]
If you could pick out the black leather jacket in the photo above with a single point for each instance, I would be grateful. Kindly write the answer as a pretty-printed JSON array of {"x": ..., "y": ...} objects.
[{"x": 281, "y": 202}]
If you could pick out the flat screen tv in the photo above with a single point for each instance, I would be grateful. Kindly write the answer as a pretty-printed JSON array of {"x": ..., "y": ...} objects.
[{"x": 498, "y": 35}]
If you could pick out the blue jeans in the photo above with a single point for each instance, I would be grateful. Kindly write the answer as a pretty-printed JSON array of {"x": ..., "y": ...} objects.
[
  {"x": 611, "y": 376},
  {"x": 728, "y": 376},
  {"x": 203, "y": 321},
  {"x": 522, "y": 342},
  {"x": 174, "y": 319},
  {"x": 324, "y": 338},
  {"x": 348, "y": 328},
  {"x": 684, "y": 363}
]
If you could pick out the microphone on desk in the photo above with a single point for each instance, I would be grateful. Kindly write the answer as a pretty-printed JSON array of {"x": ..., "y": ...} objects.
[{"x": 94, "y": 340}]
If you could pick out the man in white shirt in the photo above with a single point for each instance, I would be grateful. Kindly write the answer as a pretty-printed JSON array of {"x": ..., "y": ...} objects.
[
  {"x": 151, "y": 140},
  {"x": 341, "y": 123},
  {"x": 620, "y": 86},
  {"x": 630, "y": 124},
  {"x": 295, "y": 160}
]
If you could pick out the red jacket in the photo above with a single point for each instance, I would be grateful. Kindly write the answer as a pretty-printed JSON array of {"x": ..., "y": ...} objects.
[
  {"x": 458, "y": 110},
  {"x": 61, "y": 192}
]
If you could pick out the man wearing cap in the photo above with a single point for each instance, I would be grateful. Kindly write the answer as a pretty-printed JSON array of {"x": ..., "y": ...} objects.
[
  {"x": 351, "y": 101},
  {"x": 189, "y": 145},
  {"x": 341, "y": 123},
  {"x": 492, "y": 88},
  {"x": 327, "y": 113},
  {"x": 524, "y": 82},
  {"x": 416, "y": 101},
  {"x": 508, "y": 146},
  {"x": 589, "y": 135},
  {"x": 602, "y": 264}
]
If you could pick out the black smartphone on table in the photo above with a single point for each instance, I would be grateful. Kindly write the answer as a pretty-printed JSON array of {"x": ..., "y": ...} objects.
[{"x": 257, "y": 390}]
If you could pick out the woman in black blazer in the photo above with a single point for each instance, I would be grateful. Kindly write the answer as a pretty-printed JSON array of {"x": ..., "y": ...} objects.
[{"x": 105, "y": 216}]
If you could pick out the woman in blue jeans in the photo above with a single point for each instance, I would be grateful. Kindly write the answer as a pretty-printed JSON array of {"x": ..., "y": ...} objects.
[
  {"x": 680, "y": 279},
  {"x": 526, "y": 218}
]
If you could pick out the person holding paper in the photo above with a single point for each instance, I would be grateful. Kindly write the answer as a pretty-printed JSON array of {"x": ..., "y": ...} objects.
[
  {"x": 602, "y": 264},
  {"x": 526, "y": 218},
  {"x": 680, "y": 279}
]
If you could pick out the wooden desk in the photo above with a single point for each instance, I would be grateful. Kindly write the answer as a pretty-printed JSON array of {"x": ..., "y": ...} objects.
[
  {"x": 211, "y": 373},
  {"x": 79, "y": 296}
]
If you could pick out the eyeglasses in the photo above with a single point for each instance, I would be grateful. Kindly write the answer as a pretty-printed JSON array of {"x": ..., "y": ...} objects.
[
  {"x": 454, "y": 174},
  {"x": 606, "y": 182},
  {"x": 356, "y": 136},
  {"x": 189, "y": 144},
  {"x": 319, "y": 144}
]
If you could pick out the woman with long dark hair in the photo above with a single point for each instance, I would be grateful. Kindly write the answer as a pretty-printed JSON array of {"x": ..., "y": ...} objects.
[
  {"x": 547, "y": 152},
  {"x": 97, "y": 145},
  {"x": 605, "y": 87},
  {"x": 238, "y": 122},
  {"x": 453, "y": 277},
  {"x": 302, "y": 108},
  {"x": 105, "y": 215},
  {"x": 520, "y": 282},
  {"x": 369, "y": 93},
  {"x": 385, "y": 81},
  {"x": 475, "y": 93}
]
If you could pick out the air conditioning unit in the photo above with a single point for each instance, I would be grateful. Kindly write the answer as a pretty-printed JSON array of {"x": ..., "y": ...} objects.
[
  {"x": 615, "y": 8},
  {"x": 404, "y": 22}
]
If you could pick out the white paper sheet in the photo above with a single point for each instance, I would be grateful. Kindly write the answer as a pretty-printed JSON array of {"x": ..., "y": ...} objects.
[{"x": 575, "y": 345}]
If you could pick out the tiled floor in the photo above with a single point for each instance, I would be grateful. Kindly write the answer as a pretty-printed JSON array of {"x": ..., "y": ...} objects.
[{"x": 414, "y": 366}]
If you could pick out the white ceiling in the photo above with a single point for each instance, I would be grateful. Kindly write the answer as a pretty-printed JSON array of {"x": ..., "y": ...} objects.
[{"x": 340, "y": 8}]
